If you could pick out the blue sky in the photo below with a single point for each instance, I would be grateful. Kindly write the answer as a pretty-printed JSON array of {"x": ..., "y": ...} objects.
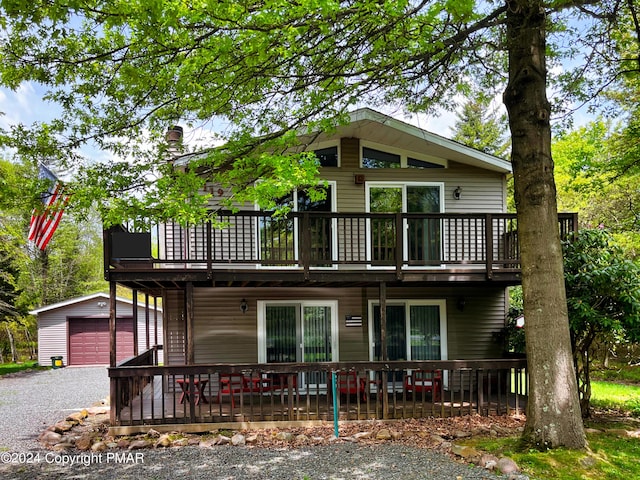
[{"x": 26, "y": 106}]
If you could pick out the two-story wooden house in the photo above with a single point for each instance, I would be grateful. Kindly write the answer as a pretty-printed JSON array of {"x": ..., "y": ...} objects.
[{"x": 402, "y": 269}]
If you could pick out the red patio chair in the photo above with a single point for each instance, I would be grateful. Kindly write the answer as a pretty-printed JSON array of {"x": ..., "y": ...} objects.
[
  {"x": 350, "y": 384},
  {"x": 231, "y": 384},
  {"x": 258, "y": 384},
  {"x": 427, "y": 381}
]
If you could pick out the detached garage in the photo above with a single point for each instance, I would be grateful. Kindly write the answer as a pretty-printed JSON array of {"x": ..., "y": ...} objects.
[{"x": 78, "y": 330}]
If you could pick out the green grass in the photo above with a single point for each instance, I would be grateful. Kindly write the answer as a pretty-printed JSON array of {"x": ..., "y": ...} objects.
[
  {"x": 610, "y": 457},
  {"x": 616, "y": 396},
  {"x": 618, "y": 372},
  {"x": 18, "y": 367}
]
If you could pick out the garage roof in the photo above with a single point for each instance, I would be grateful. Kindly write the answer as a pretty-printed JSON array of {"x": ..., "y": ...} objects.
[{"x": 72, "y": 301}]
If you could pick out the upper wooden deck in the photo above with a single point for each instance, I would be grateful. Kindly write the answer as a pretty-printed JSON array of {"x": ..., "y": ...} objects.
[{"x": 321, "y": 248}]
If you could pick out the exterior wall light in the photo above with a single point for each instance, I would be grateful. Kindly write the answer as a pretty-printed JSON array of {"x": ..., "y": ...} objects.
[
  {"x": 244, "y": 306},
  {"x": 457, "y": 193}
]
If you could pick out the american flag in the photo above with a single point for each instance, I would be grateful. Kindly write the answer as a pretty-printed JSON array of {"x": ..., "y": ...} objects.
[{"x": 45, "y": 219}]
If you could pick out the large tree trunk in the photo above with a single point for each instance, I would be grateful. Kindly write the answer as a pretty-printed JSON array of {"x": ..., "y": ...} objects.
[{"x": 553, "y": 409}]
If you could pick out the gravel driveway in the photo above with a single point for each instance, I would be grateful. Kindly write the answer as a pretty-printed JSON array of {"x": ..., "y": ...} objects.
[
  {"x": 29, "y": 402},
  {"x": 32, "y": 401}
]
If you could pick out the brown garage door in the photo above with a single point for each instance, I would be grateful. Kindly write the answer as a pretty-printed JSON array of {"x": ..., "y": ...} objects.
[{"x": 89, "y": 340}]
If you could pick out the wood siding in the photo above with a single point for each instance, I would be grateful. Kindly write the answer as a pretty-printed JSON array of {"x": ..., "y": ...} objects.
[
  {"x": 223, "y": 334},
  {"x": 174, "y": 328},
  {"x": 483, "y": 191}
]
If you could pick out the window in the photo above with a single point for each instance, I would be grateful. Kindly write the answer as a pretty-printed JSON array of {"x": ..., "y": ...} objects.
[
  {"x": 280, "y": 237},
  {"x": 422, "y": 237},
  {"x": 377, "y": 156},
  {"x": 328, "y": 157},
  {"x": 416, "y": 330},
  {"x": 298, "y": 331},
  {"x": 378, "y": 159},
  {"x": 415, "y": 163}
]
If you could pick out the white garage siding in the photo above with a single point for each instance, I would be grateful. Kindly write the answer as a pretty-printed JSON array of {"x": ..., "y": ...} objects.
[{"x": 53, "y": 323}]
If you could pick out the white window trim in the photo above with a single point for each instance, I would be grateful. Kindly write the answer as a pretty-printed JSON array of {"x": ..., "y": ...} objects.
[
  {"x": 408, "y": 303},
  {"x": 334, "y": 231},
  {"x": 405, "y": 246},
  {"x": 404, "y": 155},
  {"x": 262, "y": 324}
]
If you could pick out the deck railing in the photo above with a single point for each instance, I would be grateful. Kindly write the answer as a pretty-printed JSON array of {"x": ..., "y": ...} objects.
[
  {"x": 222, "y": 393},
  {"x": 248, "y": 239}
]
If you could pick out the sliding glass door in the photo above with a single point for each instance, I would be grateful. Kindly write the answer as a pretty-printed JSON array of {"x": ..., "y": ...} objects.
[
  {"x": 280, "y": 238},
  {"x": 416, "y": 330},
  {"x": 298, "y": 332},
  {"x": 422, "y": 236}
]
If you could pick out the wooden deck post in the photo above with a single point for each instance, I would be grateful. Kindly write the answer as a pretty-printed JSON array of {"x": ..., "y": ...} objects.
[
  {"x": 113, "y": 385},
  {"x": 112, "y": 324},
  {"x": 383, "y": 347},
  {"x": 155, "y": 320},
  {"x": 383, "y": 322},
  {"x": 147, "y": 321},
  {"x": 135, "y": 323},
  {"x": 190, "y": 354},
  {"x": 488, "y": 227}
]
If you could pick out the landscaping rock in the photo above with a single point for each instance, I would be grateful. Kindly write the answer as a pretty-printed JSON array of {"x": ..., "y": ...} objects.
[
  {"x": 98, "y": 410},
  {"x": 208, "y": 443},
  {"x": 238, "y": 440},
  {"x": 50, "y": 437},
  {"x": 123, "y": 443},
  {"x": 507, "y": 466},
  {"x": 62, "y": 446},
  {"x": 490, "y": 462},
  {"x": 62, "y": 427},
  {"x": 284, "y": 436},
  {"x": 163, "y": 442},
  {"x": 470, "y": 454},
  {"x": 84, "y": 442},
  {"x": 180, "y": 442},
  {"x": 77, "y": 417},
  {"x": 139, "y": 444},
  {"x": 99, "y": 447}
]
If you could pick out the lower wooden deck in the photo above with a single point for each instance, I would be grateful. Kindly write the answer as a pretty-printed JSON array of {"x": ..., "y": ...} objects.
[{"x": 162, "y": 403}]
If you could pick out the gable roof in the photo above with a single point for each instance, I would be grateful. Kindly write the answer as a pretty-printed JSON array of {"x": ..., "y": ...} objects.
[
  {"x": 374, "y": 126},
  {"x": 73, "y": 301},
  {"x": 371, "y": 125}
]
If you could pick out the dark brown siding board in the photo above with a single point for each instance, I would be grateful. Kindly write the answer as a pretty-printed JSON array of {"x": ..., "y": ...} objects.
[
  {"x": 224, "y": 334},
  {"x": 349, "y": 153}
]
